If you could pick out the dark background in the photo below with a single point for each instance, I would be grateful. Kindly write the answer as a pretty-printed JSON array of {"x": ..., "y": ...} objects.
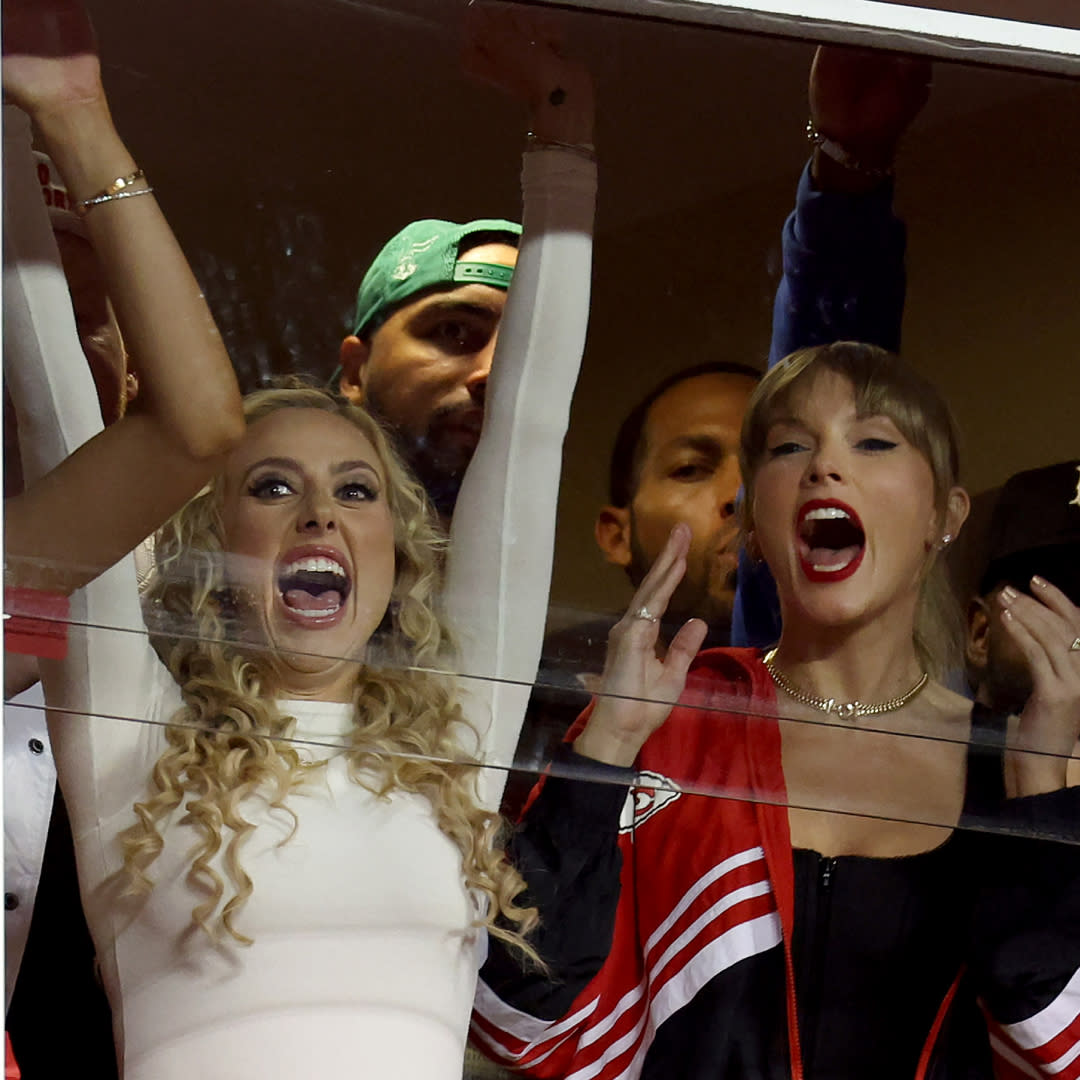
[{"x": 287, "y": 139}]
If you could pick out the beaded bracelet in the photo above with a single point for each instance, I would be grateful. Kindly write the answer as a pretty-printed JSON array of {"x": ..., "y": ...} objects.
[{"x": 843, "y": 156}]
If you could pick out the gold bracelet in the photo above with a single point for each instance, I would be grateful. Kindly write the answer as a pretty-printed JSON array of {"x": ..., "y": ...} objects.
[
  {"x": 122, "y": 182},
  {"x": 113, "y": 191},
  {"x": 84, "y": 207}
]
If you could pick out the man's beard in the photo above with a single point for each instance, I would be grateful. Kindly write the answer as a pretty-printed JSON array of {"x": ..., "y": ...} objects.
[
  {"x": 438, "y": 464},
  {"x": 442, "y": 483}
]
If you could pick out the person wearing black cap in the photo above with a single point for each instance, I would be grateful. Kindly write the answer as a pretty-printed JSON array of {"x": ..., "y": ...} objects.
[{"x": 1035, "y": 530}]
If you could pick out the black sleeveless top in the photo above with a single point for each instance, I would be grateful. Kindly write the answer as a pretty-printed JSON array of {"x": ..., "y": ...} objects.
[{"x": 877, "y": 942}]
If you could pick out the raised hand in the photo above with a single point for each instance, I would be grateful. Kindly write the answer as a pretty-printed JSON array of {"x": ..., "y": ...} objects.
[
  {"x": 866, "y": 99},
  {"x": 1046, "y": 629},
  {"x": 521, "y": 53},
  {"x": 637, "y": 689},
  {"x": 97, "y": 504},
  {"x": 50, "y": 56}
]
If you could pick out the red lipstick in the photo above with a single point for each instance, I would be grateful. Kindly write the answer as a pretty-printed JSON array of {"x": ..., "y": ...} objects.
[{"x": 831, "y": 540}]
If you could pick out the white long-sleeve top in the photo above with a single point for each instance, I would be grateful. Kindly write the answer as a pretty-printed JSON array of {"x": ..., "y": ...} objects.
[
  {"x": 29, "y": 788},
  {"x": 37, "y": 318},
  {"x": 365, "y": 960}
]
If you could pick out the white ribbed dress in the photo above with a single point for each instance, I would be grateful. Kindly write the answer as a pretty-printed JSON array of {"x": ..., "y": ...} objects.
[{"x": 364, "y": 961}]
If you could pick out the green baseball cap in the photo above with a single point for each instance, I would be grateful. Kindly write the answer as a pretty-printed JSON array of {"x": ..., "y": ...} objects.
[{"x": 424, "y": 255}]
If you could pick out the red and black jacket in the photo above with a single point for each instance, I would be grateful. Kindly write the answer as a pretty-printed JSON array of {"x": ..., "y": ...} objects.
[{"x": 671, "y": 936}]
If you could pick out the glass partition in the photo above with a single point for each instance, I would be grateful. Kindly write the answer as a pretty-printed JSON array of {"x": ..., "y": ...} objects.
[
  {"x": 285, "y": 727},
  {"x": 711, "y": 717}
]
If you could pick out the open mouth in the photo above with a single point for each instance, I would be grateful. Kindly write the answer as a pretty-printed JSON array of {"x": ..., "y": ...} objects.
[
  {"x": 831, "y": 540},
  {"x": 313, "y": 587}
]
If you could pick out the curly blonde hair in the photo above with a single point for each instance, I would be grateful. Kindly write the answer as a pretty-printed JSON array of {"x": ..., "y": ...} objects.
[{"x": 230, "y": 740}]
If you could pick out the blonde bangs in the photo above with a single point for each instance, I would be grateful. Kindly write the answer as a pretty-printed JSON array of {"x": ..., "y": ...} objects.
[{"x": 883, "y": 385}]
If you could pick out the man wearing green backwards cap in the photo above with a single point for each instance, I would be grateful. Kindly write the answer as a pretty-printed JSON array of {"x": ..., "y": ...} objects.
[{"x": 427, "y": 319}]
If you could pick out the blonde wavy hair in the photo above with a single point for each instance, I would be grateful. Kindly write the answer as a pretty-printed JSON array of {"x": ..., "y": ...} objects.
[
  {"x": 884, "y": 385},
  {"x": 230, "y": 739}
]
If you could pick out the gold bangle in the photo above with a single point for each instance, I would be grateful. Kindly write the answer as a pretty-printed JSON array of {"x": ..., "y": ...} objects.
[
  {"x": 106, "y": 194},
  {"x": 122, "y": 182},
  {"x": 84, "y": 207}
]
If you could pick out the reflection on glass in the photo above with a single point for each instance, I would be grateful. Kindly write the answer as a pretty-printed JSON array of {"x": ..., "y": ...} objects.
[
  {"x": 285, "y": 847},
  {"x": 871, "y": 869},
  {"x": 797, "y": 851}
]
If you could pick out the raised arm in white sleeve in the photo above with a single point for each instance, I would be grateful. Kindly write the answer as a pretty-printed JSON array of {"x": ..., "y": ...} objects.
[
  {"x": 44, "y": 368},
  {"x": 503, "y": 529},
  {"x": 91, "y": 500},
  {"x": 92, "y": 494}
]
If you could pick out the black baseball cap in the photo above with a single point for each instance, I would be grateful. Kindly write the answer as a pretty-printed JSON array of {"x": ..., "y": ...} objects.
[{"x": 1035, "y": 529}]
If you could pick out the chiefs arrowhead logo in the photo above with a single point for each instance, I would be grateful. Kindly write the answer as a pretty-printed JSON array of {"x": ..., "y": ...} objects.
[{"x": 648, "y": 796}]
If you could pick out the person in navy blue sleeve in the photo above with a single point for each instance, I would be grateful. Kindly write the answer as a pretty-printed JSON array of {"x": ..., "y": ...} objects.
[
  {"x": 675, "y": 457},
  {"x": 843, "y": 247}
]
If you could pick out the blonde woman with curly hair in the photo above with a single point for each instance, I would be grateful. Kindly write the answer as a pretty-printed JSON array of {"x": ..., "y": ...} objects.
[
  {"x": 378, "y": 547},
  {"x": 287, "y": 847}
]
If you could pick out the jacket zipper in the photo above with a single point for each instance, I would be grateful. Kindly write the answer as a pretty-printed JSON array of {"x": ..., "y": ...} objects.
[
  {"x": 827, "y": 869},
  {"x": 817, "y": 947}
]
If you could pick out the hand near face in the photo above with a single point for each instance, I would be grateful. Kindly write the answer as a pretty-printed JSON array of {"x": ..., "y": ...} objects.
[
  {"x": 637, "y": 690},
  {"x": 866, "y": 100},
  {"x": 50, "y": 56},
  {"x": 521, "y": 54},
  {"x": 1044, "y": 627}
]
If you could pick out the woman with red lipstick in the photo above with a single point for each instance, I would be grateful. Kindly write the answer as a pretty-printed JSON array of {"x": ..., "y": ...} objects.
[
  {"x": 288, "y": 852},
  {"x": 797, "y": 887}
]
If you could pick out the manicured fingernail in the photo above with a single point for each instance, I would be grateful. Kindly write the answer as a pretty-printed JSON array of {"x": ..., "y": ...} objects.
[
  {"x": 1007, "y": 614},
  {"x": 1038, "y": 582},
  {"x": 1008, "y": 595}
]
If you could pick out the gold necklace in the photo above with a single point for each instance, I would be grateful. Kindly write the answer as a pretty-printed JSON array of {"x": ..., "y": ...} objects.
[{"x": 845, "y": 710}]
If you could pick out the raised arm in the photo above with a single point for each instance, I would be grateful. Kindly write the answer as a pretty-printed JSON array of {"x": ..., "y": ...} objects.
[
  {"x": 567, "y": 845},
  {"x": 80, "y": 514},
  {"x": 843, "y": 248},
  {"x": 504, "y": 523}
]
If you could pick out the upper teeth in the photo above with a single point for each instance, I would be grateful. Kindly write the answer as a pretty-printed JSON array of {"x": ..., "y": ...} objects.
[
  {"x": 826, "y": 513},
  {"x": 316, "y": 564}
]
